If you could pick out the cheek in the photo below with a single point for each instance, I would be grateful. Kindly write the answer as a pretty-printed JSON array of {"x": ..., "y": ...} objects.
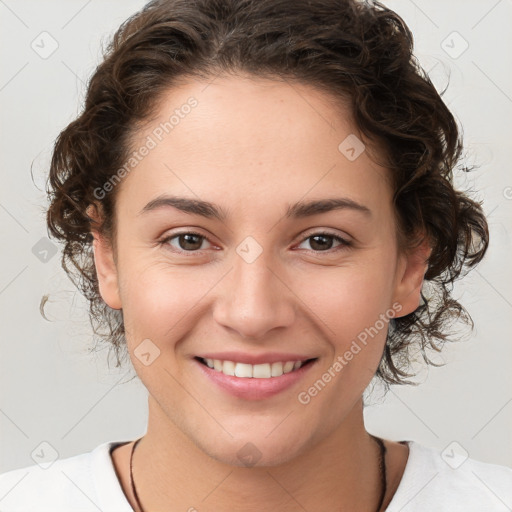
[
  {"x": 157, "y": 300},
  {"x": 351, "y": 302}
]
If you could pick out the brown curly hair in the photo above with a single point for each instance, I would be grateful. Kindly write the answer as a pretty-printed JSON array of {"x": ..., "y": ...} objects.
[{"x": 354, "y": 50}]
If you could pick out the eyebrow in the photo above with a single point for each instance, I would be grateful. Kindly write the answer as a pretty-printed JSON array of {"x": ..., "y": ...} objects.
[{"x": 212, "y": 211}]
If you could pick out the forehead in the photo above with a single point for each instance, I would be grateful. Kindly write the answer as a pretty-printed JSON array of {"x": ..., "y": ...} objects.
[{"x": 235, "y": 138}]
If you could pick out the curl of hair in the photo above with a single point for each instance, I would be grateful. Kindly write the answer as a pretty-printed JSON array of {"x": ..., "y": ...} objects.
[{"x": 357, "y": 51}]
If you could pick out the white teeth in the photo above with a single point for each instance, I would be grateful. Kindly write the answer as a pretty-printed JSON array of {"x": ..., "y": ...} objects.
[
  {"x": 261, "y": 371},
  {"x": 256, "y": 371},
  {"x": 243, "y": 370},
  {"x": 228, "y": 368},
  {"x": 277, "y": 369},
  {"x": 288, "y": 366}
]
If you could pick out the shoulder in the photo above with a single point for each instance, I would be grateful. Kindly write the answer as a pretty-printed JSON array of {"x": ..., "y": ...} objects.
[
  {"x": 449, "y": 481},
  {"x": 81, "y": 483}
]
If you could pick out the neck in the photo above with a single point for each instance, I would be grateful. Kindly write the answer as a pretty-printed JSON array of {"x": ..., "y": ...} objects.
[{"x": 339, "y": 472}]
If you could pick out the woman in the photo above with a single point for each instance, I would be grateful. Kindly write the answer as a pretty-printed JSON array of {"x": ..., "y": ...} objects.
[{"x": 253, "y": 200}]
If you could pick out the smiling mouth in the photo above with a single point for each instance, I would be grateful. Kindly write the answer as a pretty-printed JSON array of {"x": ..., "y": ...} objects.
[{"x": 255, "y": 371}]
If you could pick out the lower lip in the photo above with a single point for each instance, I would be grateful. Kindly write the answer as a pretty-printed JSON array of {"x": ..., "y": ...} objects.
[{"x": 251, "y": 388}]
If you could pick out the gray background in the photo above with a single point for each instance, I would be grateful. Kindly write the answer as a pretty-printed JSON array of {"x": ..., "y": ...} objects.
[{"x": 53, "y": 390}]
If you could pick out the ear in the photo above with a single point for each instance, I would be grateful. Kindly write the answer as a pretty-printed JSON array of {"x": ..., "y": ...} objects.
[
  {"x": 106, "y": 268},
  {"x": 411, "y": 270}
]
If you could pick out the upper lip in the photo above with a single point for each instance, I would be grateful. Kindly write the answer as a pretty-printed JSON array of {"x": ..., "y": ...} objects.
[{"x": 239, "y": 357}]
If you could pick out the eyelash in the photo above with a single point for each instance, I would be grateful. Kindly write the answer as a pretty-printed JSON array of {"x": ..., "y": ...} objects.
[{"x": 344, "y": 244}]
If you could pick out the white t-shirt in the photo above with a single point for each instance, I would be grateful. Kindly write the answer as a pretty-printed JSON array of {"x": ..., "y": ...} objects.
[{"x": 88, "y": 483}]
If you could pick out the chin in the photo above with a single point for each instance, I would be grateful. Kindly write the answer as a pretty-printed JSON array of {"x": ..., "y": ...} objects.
[{"x": 254, "y": 452}]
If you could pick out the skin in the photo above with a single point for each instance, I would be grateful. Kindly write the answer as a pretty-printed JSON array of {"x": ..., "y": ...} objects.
[{"x": 253, "y": 147}]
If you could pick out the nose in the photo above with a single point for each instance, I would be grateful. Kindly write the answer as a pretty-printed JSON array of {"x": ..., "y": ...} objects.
[{"x": 254, "y": 299}]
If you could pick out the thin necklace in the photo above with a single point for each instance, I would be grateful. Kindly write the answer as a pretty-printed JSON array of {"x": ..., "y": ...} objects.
[{"x": 382, "y": 469}]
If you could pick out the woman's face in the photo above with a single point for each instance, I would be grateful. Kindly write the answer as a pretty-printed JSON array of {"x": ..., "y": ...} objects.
[{"x": 257, "y": 281}]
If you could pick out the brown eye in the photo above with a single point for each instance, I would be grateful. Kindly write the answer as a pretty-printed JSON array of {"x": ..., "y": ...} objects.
[
  {"x": 189, "y": 241},
  {"x": 323, "y": 242},
  {"x": 186, "y": 242}
]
